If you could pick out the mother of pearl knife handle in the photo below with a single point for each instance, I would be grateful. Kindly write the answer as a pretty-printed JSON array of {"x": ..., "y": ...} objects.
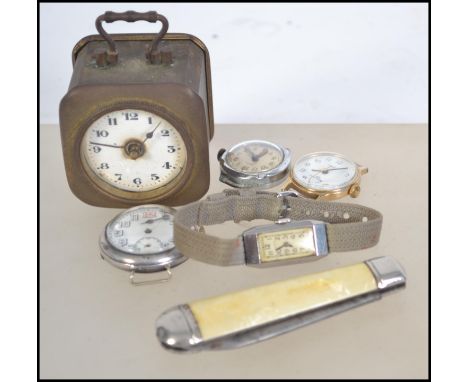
[{"x": 248, "y": 316}]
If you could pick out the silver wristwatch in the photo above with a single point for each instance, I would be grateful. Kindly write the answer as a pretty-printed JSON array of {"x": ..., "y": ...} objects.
[{"x": 254, "y": 164}]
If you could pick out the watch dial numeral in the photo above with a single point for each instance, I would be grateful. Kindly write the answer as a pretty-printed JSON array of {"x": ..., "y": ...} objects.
[
  {"x": 119, "y": 176},
  {"x": 104, "y": 166},
  {"x": 102, "y": 133},
  {"x": 150, "y": 120},
  {"x": 166, "y": 165},
  {"x": 154, "y": 177},
  {"x": 165, "y": 133},
  {"x": 137, "y": 181},
  {"x": 112, "y": 121},
  {"x": 131, "y": 116},
  {"x": 96, "y": 149},
  {"x": 125, "y": 223},
  {"x": 171, "y": 149}
]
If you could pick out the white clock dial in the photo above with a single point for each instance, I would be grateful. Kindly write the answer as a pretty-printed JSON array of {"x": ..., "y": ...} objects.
[
  {"x": 324, "y": 171},
  {"x": 134, "y": 150},
  {"x": 145, "y": 230},
  {"x": 252, "y": 157}
]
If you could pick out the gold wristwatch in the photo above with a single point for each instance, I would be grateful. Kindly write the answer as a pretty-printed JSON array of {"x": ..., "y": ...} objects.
[{"x": 325, "y": 176}]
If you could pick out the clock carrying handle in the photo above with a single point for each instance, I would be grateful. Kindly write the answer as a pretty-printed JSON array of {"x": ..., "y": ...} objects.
[{"x": 111, "y": 56}]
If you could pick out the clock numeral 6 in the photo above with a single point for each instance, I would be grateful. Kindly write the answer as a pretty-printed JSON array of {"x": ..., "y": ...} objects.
[
  {"x": 171, "y": 149},
  {"x": 137, "y": 181}
]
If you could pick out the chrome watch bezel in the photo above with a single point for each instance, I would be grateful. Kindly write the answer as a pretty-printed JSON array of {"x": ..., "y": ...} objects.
[
  {"x": 251, "y": 249},
  {"x": 265, "y": 179}
]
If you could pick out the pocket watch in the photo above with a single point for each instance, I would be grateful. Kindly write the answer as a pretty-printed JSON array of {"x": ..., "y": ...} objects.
[
  {"x": 326, "y": 175},
  {"x": 138, "y": 117},
  {"x": 140, "y": 240},
  {"x": 254, "y": 163},
  {"x": 248, "y": 316}
]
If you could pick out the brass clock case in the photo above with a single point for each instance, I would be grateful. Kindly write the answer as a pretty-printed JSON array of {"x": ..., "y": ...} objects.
[
  {"x": 83, "y": 105},
  {"x": 165, "y": 74}
]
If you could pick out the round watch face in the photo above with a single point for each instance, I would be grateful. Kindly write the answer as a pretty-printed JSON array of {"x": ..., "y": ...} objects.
[
  {"x": 324, "y": 171},
  {"x": 142, "y": 230},
  {"x": 134, "y": 150},
  {"x": 252, "y": 157}
]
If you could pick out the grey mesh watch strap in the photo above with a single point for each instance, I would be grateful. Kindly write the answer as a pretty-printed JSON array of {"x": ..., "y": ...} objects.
[{"x": 348, "y": 226}]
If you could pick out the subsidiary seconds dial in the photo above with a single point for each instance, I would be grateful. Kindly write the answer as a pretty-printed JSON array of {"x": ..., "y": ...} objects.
[{"x": 134, "y": 150}]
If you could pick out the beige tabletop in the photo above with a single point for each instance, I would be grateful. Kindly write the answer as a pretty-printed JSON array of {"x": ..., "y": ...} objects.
[{"x": 94, "y": 324}]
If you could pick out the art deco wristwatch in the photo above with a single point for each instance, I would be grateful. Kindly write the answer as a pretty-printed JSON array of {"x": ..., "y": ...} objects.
[
  {"x": 326, "y": 176},
  {"x": 248, "y": 316},
  {"x": 254, "y": 164},
  {"x": 304, "y": 229}
]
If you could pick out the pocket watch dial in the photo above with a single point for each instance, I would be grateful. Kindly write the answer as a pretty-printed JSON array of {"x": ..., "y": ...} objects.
[
  {"x": 145, "y": 230},
  {"x": 284, "y": 245},
  {"x": 324, "y": 171},
  {"x": 252, "y": 157},
  {"x": 134, "y": 150}
]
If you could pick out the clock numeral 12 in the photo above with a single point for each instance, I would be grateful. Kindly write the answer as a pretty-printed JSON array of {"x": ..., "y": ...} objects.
[{"x": 131, "y": 116}]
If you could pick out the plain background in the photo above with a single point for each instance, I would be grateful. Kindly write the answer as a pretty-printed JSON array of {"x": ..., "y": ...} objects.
[
  {"x": 274, "y": 63},
  {"x": 448, "y": 119}
]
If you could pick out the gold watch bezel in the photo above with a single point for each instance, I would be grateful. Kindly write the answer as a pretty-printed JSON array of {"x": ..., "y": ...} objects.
[{"x": 352, "y": 188}]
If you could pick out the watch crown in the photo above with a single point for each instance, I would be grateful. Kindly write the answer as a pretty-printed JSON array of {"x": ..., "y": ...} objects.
[{"x": 355, "y": 190}]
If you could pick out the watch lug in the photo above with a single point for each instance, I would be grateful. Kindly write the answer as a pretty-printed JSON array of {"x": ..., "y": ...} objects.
[
  {"x": 354, "y": 190},
  {"x": 220, "y": 153}
]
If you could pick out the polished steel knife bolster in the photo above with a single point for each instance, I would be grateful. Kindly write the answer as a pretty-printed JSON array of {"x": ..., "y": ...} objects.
[{"x": 252, "y": 315}]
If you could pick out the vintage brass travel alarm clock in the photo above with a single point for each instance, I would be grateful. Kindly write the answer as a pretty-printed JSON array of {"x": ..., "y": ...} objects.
[{"x": 138, "y": 116}]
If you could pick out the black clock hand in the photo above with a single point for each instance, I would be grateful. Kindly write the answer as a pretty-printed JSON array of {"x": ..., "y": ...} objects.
[
  {"x": 325, "y": 171},
  {"x": 252, "y": 154},
  {"x": 258, "y": 156},
  {"x": 150, "y": 134},
  {"x": 151, "y": 221},
  {"x": 286, "y": 244},
  {"x": 104, "y": 144}
]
